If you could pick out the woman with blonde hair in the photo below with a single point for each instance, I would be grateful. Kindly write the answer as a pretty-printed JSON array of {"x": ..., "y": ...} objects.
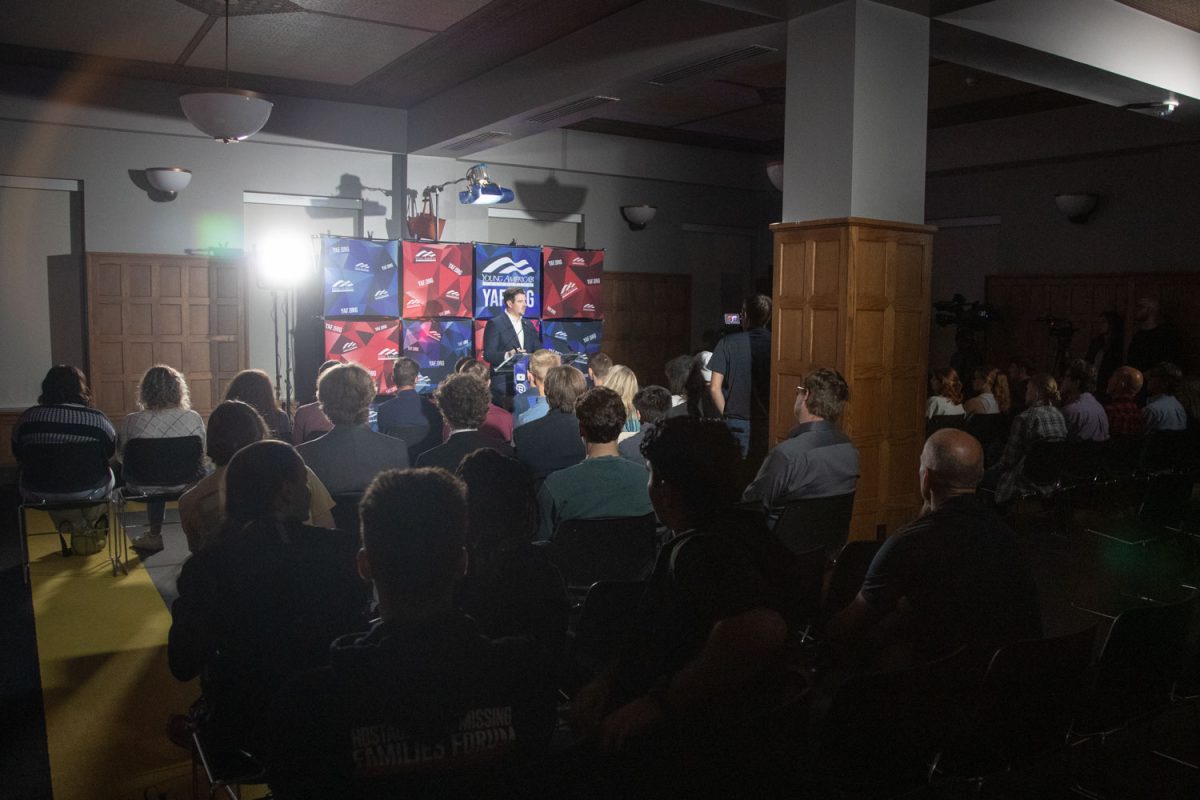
[
  {"x": 946, "y": 398},
  {"x": 165, "y": 413},
  {"x": 991, "y": 392},
  {"x": 254, "y": 386},
  {"x": 622, "y": 381},
  {"x": 1040, "y": 421}
]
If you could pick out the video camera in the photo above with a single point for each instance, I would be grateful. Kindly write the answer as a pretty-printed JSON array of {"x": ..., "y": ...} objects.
[{"x": 974, "y": 316}]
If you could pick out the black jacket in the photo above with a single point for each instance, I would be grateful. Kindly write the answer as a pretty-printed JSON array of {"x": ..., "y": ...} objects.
[
  {"x": 449, "y": 454},
  {"x": 550, "y": 443},
  {"x": 498, "y": 338}
]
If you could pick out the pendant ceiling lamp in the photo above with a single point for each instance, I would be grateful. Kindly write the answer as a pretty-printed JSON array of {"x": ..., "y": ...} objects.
[{"x": 227, "y": 115}]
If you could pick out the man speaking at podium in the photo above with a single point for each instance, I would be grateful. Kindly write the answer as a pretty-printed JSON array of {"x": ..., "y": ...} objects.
[{"x": 505, "y": 336}]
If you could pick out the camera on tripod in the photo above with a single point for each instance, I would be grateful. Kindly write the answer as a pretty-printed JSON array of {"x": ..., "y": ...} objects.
[
  {"x": 974, "y": 316},
  {"x": 1059, "y": 327}
]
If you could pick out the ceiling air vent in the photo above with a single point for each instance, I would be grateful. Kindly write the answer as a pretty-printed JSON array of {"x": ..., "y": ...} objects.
[
  {"x": 572, "y": 108},
  {"x": 676, "y": 75},
  {"x": 479, "y": 138}
]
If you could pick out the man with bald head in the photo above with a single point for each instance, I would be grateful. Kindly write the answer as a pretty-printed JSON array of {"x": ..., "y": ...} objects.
[{"x": 954, "y": 576}]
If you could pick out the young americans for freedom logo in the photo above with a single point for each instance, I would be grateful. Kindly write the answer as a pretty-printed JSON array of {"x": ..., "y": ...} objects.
[
  {"x": 569, "y": 288},
  {"x": 425, "y": 255},
  {"x": 342, "y": 286},
  {"x": 506, "y": 266},
  {"x": 382, "y": 294}
]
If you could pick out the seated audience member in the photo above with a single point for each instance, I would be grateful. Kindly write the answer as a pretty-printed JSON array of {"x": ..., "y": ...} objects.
[
  {"x": 1081, "y": 411},
  {"x": 498, "y": 422},
  {"x": 622, "y": 381},
  {"x": 677, "y": 370},
  {"x": 710, "y": 628},
  {"x": 1163, "y": 412},
  {"x": 946, "y": 395},
  {"x": 1189, "y": 398},
  {"x": 266, "y": 598},
  {"x": 954, "y": 576},
  {"x": 1040, "y": 421},
  {"x": 232, "y": 426},
  {"x": 64, "y": 415},
  {"x": 349, "y": 457},
  {"x": 653, "y": 404},
  {"x": 599, "y": 365},
  {"x": 422, "y": 704},
  {"x": 603, "y": 484},
  {"x": 310, "y": 421},
  {"x": 464, "y": 401},
  {"x": 991, "y": 392},
  {"x": 541, "y": 362},
  {"x": 511, "y": 588},
  {"x": 1124, "y": 416},
  {"x": 1018, "y": 382},
  {"x": 552, "y": 442},
  {"x": 164, "y": 412},
  {"x": 818, "y": 460},
  {"x": 409, "y": 411},
  {"x": 254, "y": 387}
]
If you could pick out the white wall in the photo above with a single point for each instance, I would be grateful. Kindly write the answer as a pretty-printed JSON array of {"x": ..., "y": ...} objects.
[{"x": 105, "y": 140}]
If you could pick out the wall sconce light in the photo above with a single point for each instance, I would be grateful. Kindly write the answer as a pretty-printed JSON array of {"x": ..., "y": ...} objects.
[
  {"x": 638, "y": 217},
  {"x": 1076, "y": 207},
  {"x": 775, "y": 173},
  {"x": 170, "y": 180}
]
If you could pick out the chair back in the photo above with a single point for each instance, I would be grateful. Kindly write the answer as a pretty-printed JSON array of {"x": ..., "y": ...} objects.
[
  {"x": 816, "y": 522},
  {"x": 345, "y": 511},
  {"x": 804, "y": 585},
  {"x": 911, "y": 714},
  {"x": 312, "y": 436},
  {"x": 848, "y": 573},
  {"x": 1028, "y": 697},
  {"x": 604, "y": 622},
  {"x": 934, "y": 424},
  {"x": 1046, "y": 461},
  {"x": 63, "y": 468},
  {"x": 987, "y": 428},
  {"x": 171, "y": 461},
  {"x": 605, "y": 549},
  {"x": 1141, "y": 657},
  {"x": 1164, "y": 451}
]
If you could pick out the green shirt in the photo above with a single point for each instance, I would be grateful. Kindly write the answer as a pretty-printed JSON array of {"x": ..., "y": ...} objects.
[{"x": 606, "y": 486}]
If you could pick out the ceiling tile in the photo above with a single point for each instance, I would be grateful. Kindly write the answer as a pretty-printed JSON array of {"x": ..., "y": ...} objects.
[
  {"x": 953, "y": 84},
  {"x": 142, "y": 30},
  {"x": 760, "y": 124},
  {"x": 306, "y": 47},
  {"x": 679, "y": 104},
  {"x": 436, "y": 15}
]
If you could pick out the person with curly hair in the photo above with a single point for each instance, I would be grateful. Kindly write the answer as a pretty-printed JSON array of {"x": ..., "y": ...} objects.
[
  {"x": 945, "y": 395},
  {"x": 349, "y": 457},
  {"x": 463, "y": 400},
  {"x": 165, "y": 412},
  {"x": 253, "y": 386}
]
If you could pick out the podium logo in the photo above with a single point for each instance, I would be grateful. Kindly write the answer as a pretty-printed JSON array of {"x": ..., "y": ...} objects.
[
  {"x": 522, "y": 388},
  {"x": 578, "y": 262},
  {"x": 382, "y": 294},
  {"x": 588, "y": 307},
  {"x": 388, "y": 353},
  {"x": 453, "y": 294},
  {"x": 349, "y": 347},
  {"x": 425, "y": 255},
  {"x": 342, "y": 286},
  {"x": 413, "y": 303},
  {"x": 362, "y": 267},
  {"x": 560, "y": 335},
  {"x": 506, "y": 266},
  {"x": 569, "y": 288}
]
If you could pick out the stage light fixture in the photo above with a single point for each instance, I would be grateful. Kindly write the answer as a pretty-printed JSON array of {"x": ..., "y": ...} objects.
[
  {"x": 227, "y": 115},
  {"x": 481, "y": 191},
  {"x": 171, "y": 180},
  {"x": 283, "y": 259}
]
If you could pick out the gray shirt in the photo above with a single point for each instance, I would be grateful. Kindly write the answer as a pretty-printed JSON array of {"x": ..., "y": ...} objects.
[
  {"x": 349, "y": 457},
  {"x": 818, "y": 461}
]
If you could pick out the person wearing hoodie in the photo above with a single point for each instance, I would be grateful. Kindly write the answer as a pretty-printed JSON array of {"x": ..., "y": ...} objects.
[{"x": 421, "y": 704}]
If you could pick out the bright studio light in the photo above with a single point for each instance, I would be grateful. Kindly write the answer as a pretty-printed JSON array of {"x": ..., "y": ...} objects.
[{"x": 283, "y": 260}]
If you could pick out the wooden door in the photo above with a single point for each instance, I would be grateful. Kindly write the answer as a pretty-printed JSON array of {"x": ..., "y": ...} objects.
[
  {"x": 647, "y": 321},
  {"x": 144, "y": 310}
]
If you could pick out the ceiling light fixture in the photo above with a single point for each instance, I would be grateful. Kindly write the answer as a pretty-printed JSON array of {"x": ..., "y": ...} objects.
[
  {"x": 170, "y": 180},
  {"x": 638, "y": 217},
  {"x": 1163, "y": 108},
  {"x": 227, "y": 115}
]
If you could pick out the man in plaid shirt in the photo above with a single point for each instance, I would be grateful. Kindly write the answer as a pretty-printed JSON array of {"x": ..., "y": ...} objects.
[{"x": 1124, "y": 416}]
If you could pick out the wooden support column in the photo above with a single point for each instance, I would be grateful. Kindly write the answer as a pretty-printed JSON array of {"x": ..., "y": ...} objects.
[{"x": 853, "y": 294}]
